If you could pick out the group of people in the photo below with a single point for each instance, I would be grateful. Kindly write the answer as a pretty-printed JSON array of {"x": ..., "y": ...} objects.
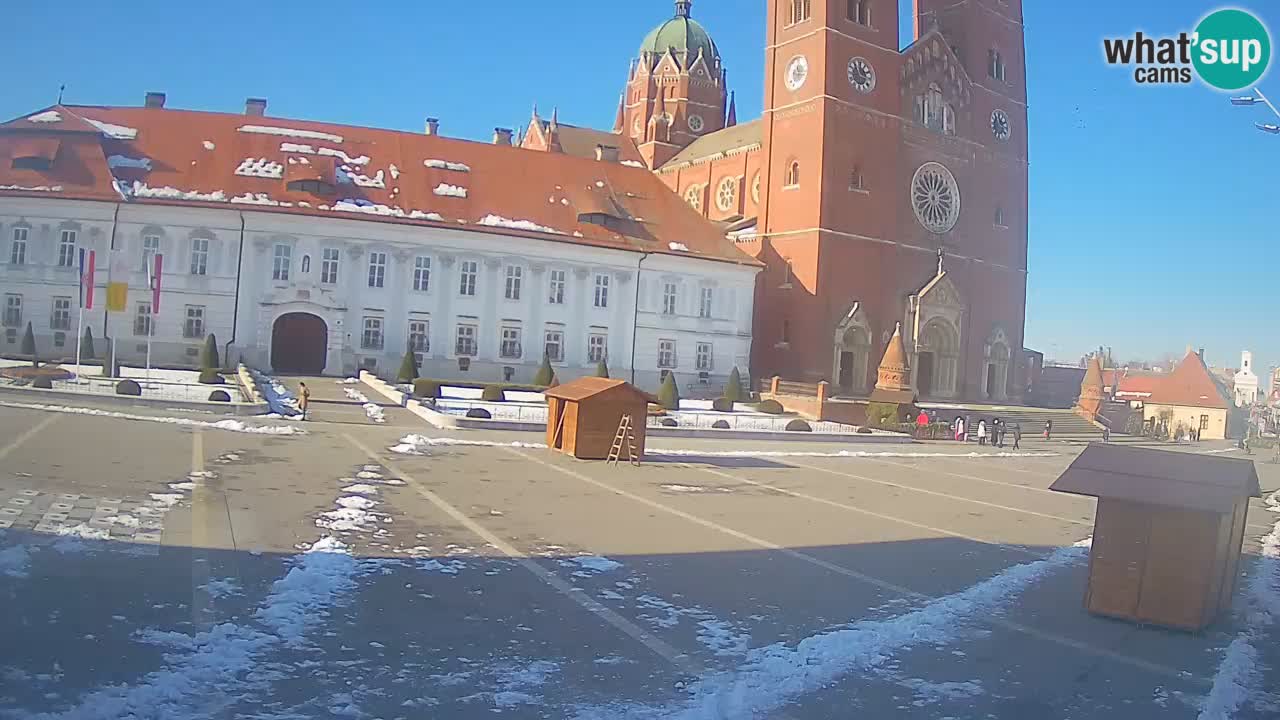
[{"x": 996, "y": 431}]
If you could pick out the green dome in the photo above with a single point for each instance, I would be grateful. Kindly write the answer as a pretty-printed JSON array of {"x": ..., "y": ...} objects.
[{"x": 683, "y": 35}]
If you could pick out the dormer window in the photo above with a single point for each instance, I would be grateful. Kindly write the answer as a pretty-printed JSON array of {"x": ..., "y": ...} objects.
[
  {"x": 315, "y": 187},
  {"x": 39, "y": 164},
  {"x": 34, "y": 153}
]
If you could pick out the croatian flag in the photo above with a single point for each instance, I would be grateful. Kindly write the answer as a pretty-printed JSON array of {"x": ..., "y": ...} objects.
[
  {"x": 153, "y": 280},
  {"x": 86, "y": 278}
]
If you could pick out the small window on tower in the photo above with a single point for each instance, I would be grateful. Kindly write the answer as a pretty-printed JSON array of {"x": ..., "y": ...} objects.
[
  {"x": 995, "y": 65},
  {"x": 792, "y": 179},
  {"x": 799, "y": 11},
  {"x": 860, "y": 11},
  {"x": 999, "y": 219},
  {"x": 856, "y": 181}
]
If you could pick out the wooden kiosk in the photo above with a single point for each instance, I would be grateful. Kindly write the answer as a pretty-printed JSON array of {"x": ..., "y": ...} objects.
[
  {"x": 1168, "y": 532},
  {"x": 583, "y": 416}
]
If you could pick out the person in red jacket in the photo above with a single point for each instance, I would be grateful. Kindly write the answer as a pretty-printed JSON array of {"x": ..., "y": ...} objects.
[{"x": 922, "y": 422}]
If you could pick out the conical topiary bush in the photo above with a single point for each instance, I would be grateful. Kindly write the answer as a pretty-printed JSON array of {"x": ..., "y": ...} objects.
[
  {"x": 545, "y": 373},
  {"x": 209, "y": 355},
  {"x": 408, "y": 367},
  {"x": 733, "y": 390},
  {"x": 669, "y": 394},
  {"x": 29, "y": 345},
  {"x": 86, "y": 343},
  {"x": 602, "y": 369}
]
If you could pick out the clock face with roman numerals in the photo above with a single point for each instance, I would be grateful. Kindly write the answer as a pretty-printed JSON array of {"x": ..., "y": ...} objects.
[
  {"x": 1000, "y": 125},
  {"x": 861, "y": 75}
]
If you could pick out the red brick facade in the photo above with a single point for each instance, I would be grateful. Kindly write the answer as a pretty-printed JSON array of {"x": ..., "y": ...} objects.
[{"x": 852, "y": 135}]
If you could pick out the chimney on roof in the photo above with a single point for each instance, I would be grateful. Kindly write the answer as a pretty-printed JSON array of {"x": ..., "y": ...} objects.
[
  {"x": 255, "y": 106},
  {"x": 502, "y": 136},
  {"x": 433, "y": 126},
  {"x": 1200, "y": 352},
  {"x": 607, "y": 153},
  {"x": 154, "y": 100}
]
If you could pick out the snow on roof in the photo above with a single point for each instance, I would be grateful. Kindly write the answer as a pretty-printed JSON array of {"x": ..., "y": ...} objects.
[
  {"x": 140, "y": 189},
  {"x": 680, "y": 247},
  {"x": 367, "y": 208},
  {"x": 346, "y": 176},
  {"x": 258, "y": 199},
  {"x": 447, "y": 165},
  {"x": 290, "y": 132},
  {"x": 208, "y": 145},
  {"x": 419, "y": 215},
  {"x": 499, "y": 221},
  {"x": 260, "y": 167},
  {"x": 119, "y": 132},
  {"x": 48, "y": 116},
  {"x": 331, "y": 152},
  {"x": 38, "y": 188},
  {"x": 447, "y": 190},
  {"x": 633, "y": 163},
  {"x": 395, "y": 174},
  {"x": 120, "y": 161}
]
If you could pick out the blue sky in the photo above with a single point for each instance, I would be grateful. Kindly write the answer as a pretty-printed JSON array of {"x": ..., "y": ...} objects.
[{"x": 1149, "y": 223}]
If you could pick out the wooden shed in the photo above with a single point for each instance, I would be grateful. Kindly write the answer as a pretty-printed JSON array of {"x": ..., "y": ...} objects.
[
  {"x": 583, "y": 416},
  {"x": 1168, "y": 532}
]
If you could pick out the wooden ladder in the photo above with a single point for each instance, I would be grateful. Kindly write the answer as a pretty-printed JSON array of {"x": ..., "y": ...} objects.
[{"x": 624, "y": 439}]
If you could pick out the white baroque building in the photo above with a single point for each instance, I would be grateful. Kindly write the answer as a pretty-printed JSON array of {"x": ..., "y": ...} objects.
[
  {"x": 302, "y": 270},
  {"x": 1246, "y": 381}
]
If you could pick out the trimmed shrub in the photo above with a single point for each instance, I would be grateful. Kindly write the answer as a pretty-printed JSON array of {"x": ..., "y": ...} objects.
[
  {"x": 733, "y": 390},
  {"x": 408, "y": 368},
  {"x": 86, "y": 343},
  {"x": 209, "y": 354},
  {"x": 772, "y": 407},
  {"x": 669, "y": 394},
  {"x": 209, "y": 376},
  {"x": 555, "y": 381},
  {"x": 545, "y": 373},
  {"x": 798, "y": 425},
  {"x": 29, "y": 345},
  {"x": 426, "y": 388},
  {"x": 863, "y": 431},
  {"x": 602, "y": 369},
  {"x": 492, "y": 393},
  {"x": 668, "y": 422},
  {"x": 881, "y": 414},
  {"x": 128, "y": 387},
  {"x": 720, "y": 425},
  {"x": 43, "y": 383},
  {"x": 723, "y": 404},
  {"x": 219, "y": 396},
  {"x": 479, "y": 414}
]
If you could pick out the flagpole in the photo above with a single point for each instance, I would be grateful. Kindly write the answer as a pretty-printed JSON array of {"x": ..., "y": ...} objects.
[{"x": 79, "y": 338}]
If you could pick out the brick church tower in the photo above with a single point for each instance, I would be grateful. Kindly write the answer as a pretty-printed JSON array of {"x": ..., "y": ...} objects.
[
  {"x": 894, "y": 191},
  {"x": 675, "y": 89}
]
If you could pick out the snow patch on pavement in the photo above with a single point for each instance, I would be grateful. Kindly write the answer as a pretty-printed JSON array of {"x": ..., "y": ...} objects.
[
  {"x": 14, "y": 561},
  {"x": 591, "y": 565},
  {"x": 229, "y": 425},
  {"x": 360, "y": 489},
  {"x": 373, "y": 410},
  {"x": 1238, "y": 675}
]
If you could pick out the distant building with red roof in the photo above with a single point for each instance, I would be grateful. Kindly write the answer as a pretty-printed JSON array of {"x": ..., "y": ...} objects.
[{"x": 1190, "y": 397}]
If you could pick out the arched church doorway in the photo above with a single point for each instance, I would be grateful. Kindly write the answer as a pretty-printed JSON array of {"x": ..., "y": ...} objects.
[
  {"x": 938, "y": 359},
  {"x": 855, "y": 348},
  {"x": 299, "y": 342}
]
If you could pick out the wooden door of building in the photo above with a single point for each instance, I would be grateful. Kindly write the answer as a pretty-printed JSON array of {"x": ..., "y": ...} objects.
[{"x": 299, "y": 342}]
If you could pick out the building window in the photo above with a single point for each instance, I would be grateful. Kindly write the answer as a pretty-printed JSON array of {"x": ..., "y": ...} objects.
[
  {"x": 193, "y": 327},
  {"x": 515, "y": 274},
  {"x": 666, "y": 353},
  {"x": 67, "y": 249},
  {"x": 12, "y": 311},
  {"x": 422, "y": 274},
  {"x": 704, "y": 302},
  {"x": 38, "y": 164},
  {"x": 467, "y": 277},
  {"x": 61, "y": 317},
  {"x": 860, "y": 11},
  {"x": 929, "y": 109},
  {"x": 727, "y": 194},
  {"x": 669, "y": 298},
  {"x": 18, "y": 249},
  {"x": 786, "y": 332},
  {"x": 280, "y": 261},
  {"x": 199, "y": 256},
  {"x": 142, "y": 319},
  {"x": 793, "y": 175},
  {"x": 419, "y": 337},
  {"x": 371, "y": 338},
  {"x": 315, "y": 187},
  {"x": 602, "y": 291},
  {"x": 556, "y": 295},
  {"x": 948, "y": 120},
  {"x": 856, "y": 181},
  {"x": 306, "y": 264},
  {"x": 995, "y": 65},
  {"x": 377, "y": 269},
  {"x": 553, "y": 345},
  {"x": 999, "y": 219},
  {"x": 329, "y": 266},
  {"x": 510, "y": 347},
  {"x": 693, "y": 196},
  {"x": 597, "y": 347},
  {"x": 150, "y": 248},
  {"x": 704, "y": 357},
  {"x": 788, "y": 273},
  {"x": 799, "y": 11},
  {"x": 466, "y": 342}
]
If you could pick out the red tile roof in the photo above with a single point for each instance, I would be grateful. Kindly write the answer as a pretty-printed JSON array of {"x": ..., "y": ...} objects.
[
  {"x": 168, "y": 156},
  {"x": 1191, "y": 385}
]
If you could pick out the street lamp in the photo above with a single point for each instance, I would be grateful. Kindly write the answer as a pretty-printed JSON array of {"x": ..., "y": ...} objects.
[{"x": 1254, "y": 99}]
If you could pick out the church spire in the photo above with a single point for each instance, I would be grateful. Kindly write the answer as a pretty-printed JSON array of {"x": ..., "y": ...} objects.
[
  {"x": 732, "y": 119},
  {"x": 619, "y": 120}
]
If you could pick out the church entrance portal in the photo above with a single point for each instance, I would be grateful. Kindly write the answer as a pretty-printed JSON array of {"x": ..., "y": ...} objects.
[{"x": 299, "y": 342}]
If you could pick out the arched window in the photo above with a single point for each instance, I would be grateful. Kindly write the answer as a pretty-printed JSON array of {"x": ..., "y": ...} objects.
[
  {"x": 995, "y": 65},
  {"x": 799, "y": 11},
  {"x": 948, "y": 120},
  {"x": 933, "y": 107},
  {"x": 306, "y": 264},
  {"x": 856, "y": 181},
  {"x": 860, "y": 11},
  {"x": 793, "y": 174}
]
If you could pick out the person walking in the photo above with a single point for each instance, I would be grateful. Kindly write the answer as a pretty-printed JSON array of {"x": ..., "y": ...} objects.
[
  {"x": 1000, "y": 430},
  {"x": 1017, "y": 435},
  {"x": 982, "y": 432},
  {"x": 959, "y": 426},
  {"x": 922, "y": 422},
  {"x": 1048, "y": 429},
  {"x": 304, "y": 398}
]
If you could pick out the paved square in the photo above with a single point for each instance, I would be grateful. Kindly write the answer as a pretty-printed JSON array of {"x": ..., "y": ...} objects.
[{"x": 162, "y": 571}]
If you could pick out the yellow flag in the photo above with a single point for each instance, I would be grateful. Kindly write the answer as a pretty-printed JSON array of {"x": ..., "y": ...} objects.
[{"x": 118, "y": 283}]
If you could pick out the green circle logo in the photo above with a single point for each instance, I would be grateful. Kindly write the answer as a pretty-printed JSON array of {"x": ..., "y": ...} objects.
[{"x": 1232, "y": 49}]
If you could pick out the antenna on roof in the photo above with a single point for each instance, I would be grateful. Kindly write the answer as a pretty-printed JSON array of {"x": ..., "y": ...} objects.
[{"x": 61, "y": 89}]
